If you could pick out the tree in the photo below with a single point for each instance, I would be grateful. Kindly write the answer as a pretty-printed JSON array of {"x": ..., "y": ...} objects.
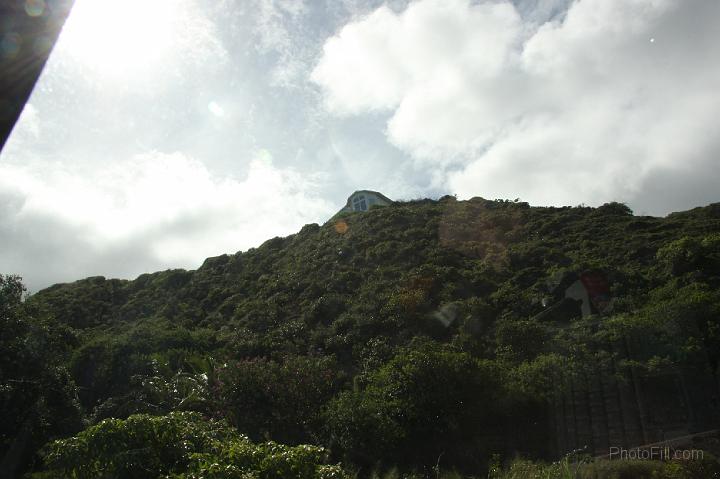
[
  {"x": 37, "y": 397},
  {"x": 426, "y": 402}
]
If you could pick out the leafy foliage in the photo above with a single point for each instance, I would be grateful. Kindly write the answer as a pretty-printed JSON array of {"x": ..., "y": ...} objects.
[
  {"x": 426, "y": 401},
  {"x": 421, "y": 333},
  {"x": 179, "y": 445},
  {"x": 38, "y": 398},
  {"x": 279, "y": 400}
]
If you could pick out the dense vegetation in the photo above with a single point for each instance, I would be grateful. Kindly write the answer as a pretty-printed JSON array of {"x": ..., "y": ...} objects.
[{"x": 419, "y": 336}]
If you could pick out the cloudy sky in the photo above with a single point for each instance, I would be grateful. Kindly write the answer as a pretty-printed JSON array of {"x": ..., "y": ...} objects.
[{"x": 165, "y": 131}]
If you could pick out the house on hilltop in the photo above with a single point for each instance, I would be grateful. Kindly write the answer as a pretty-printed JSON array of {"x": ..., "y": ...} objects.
[{"x": 362, "y": 200}]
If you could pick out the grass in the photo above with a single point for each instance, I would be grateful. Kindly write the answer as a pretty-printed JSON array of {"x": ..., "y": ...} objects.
[{"x": 572, "y": 467}]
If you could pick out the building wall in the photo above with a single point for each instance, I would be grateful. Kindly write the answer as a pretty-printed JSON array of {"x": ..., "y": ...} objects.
[{"x": 363, "y": 200}]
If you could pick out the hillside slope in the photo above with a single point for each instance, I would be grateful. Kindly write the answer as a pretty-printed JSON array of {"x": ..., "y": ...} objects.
[
  {"x": 421, "y": 329},
  {"x": 458, "y": 250}
]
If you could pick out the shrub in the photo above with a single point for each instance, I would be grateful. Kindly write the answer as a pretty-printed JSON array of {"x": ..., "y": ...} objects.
[
  {"x": 278, "y": 400},
  {"x": 179, "y": 445},
  {"x": 427, "y": 401}
]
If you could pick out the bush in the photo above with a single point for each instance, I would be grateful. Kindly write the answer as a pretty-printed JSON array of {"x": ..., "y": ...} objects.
[
  {"x": 278, "y": 400},
  {"x": 179, "y": 445},
  {"x": 427, "y": 401}
]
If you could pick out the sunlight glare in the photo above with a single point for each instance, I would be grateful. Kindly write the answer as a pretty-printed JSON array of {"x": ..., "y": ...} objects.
[
  {"x": 216, "y": 109},
  {"x": 119, "y": 36}
]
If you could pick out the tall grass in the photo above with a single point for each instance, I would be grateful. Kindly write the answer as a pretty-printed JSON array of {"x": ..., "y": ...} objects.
[
  {"x": 570, "y": 467},
  {"x": 524, "y": 469}
]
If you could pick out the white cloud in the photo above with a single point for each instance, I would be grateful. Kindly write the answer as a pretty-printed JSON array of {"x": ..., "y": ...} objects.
[
  {"x": 26, "y": 133},
  {"x": 580, "y": 108},
  {"x": 275, "y": 18},
  {"x": 28, "y": 125},
  {"x": 167, "y": 208},
  {"x": 541, "y": 11},
  {"x": 279, "y": 28}
]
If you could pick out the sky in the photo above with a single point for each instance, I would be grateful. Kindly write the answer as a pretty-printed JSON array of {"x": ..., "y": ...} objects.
[{"x": 162, "y": 132}]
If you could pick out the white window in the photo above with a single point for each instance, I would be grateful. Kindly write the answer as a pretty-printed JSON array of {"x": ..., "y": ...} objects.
[{"x": 359, "y": 203}]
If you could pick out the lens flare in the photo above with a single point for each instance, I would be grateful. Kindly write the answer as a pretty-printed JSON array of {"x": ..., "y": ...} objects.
[
  {"x": 341, "y": 227},
  {"x": 34, "y": 8}
]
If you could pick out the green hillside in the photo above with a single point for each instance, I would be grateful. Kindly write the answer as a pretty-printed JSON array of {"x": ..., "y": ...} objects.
[{"x": 426, "y": 334}]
